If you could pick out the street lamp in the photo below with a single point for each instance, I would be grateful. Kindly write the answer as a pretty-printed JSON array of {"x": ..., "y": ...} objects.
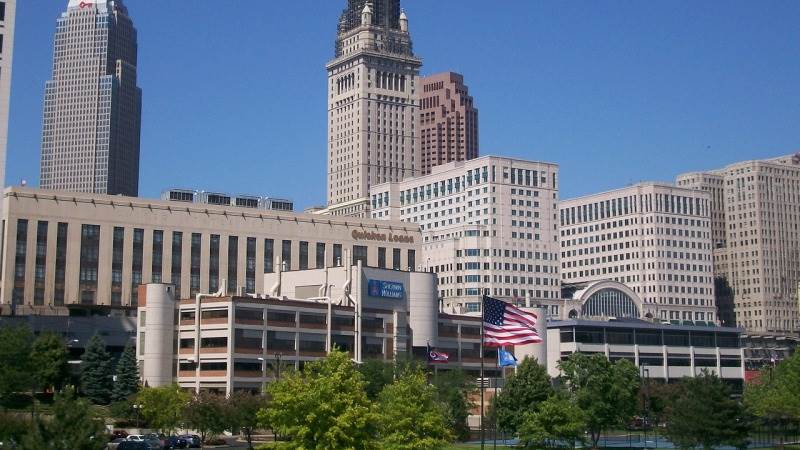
[
  {"x": 278, "y": 366},
  {"x": 137, "y": 407},
  {"x": 646, "y": 376}
]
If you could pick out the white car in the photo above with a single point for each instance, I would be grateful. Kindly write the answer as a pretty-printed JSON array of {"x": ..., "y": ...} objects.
[{"x": 135, "y": 437}]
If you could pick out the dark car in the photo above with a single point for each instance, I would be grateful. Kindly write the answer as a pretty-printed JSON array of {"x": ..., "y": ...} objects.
[
  {"x": 133, "y": 445},
  {"x": 174, "y": 442},
  {"x": 192, "y": 440}
]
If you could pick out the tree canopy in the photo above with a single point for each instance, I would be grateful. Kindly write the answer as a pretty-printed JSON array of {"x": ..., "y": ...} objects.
[
  {"x": 557, "y": 419},
  {"x": 776, "y": 394},
  {"x": 205, "y": 412},
  {"x": 15, "y": 365},
  {"x": 49, "y": 361},
  {"x": 71, "y": 427},
  {"x": 522, "y": 393},
  {"x": 127, "y": 381},
  {"x": 96, "y": 371},
  {"x": 163, "y": 407}
]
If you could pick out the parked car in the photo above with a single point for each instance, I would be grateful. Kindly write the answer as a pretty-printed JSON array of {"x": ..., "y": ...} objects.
[
  {"x": 174, "y": 442},
  {"x": 154, "y": 444},
  {"x": 118, "y": 434},
  {"x": 132, "y": 444},
  {"x": 135, "y": 437},
  {"x": 114, "y": 445},
  {"x": 192, "y": 440}
]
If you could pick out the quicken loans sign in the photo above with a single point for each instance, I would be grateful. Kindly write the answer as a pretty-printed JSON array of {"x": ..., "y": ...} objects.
[{"x": 381, "y": 237}]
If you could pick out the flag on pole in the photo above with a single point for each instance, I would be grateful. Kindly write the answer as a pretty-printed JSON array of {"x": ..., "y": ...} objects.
[
  {"x": 437, "y": 357},
  {"x": 505, "y": 324},
  {"x": 506, "y": 359}
]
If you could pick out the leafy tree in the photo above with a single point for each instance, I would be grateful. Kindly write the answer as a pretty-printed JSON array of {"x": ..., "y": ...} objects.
[
  {"x": 162, "y": 407},
  {"x": 703, "y": 414},
  {"x": 377, "y": 375},
  {"x": 49, "y": 361},
  {"x": 71, "y": 427},
  {"x": 605, "y": 391},
  {"x": 205, "y": 413},
  {"x": 556, "y": 419},
  {"x": 15, "y": 350},
  {"x": 522, "y": 393},
  {"x": 241, "y": 414},
  {"x": 411, "y": 418},
  {"x": 13, "y": 428},
  {"x": 127, "y": 382},
  {"x": 453, "y": 389},
  {"x": 776, "y": 396},
  {"x": 322, "y": 407},
  {"x": 96, "y": 372}
]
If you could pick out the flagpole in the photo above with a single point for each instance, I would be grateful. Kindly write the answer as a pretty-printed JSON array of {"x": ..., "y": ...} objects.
[{"x": 483, "y": 312}]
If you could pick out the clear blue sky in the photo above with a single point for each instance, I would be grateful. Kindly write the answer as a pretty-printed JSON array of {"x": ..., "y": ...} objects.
[{"x": 614, "y": 91}]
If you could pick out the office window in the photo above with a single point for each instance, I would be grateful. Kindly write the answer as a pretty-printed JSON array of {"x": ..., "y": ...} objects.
[
  {"x": 177, "y": 251},
  {"x": 382, "y": 257},
  {"x": 412, "y": 260},
  {"x": 18, "y": 294},
  {"x": 303, "y": 255},
  {"x": 233, "y": 263},
  {"x": 117, "y": 244},
  {"x": 2, "y": 11},
  {"x": 269, "y": 255},
  {"x": 138, "y": 259},
  {"x": 213, "y": 264},
  {"x": 90, "y": 251},
  {"x": 158, "y": 256},
  {"x": 41, "y": 262},
  {"x": 337, "y": 255},
  {"x": 320, "y": 255},
  {"x": 194, "y": 274},
  {"x": 360, "y": 254},
  {"x": 250, "y": 270},
  {"x": 61, "y": 264},
  {"x": 396, "y": 265},
  {"x": 286, "y": 255}
]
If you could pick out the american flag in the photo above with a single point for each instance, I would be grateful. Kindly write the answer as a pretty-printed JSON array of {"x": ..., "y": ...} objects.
[{"x": 505, "y": 324}]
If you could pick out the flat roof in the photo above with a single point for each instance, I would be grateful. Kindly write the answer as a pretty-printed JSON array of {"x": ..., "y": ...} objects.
[{"x": 639, "y": 325}]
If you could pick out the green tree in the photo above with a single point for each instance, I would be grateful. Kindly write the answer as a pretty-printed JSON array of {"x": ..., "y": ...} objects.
[
  {"x": 556, "y": 419},
  {"x": 776, "y": 396},
  {"x": 127, "y": 382},
  {"x": 96, "y": 371},
  {"x": 704, "y": 415},
  {"x": 241, "y": 414},
  {"x": 377, "y": 375},
  {"x": 322, "y": 407},
  {"x": 13, "y": 428},
  {"x": 71, "y": 427},
  {"x": 163, "y": 407},
  {"x": 453, "y": 389},
  {"x": 15, "y": 351},
  {"x": 605, "y": 391},
  {"x": 49, "y": 361},
  {"x": 205, "y": 413},
  {"x": 522, "y": 393},
  {"x": 411, "y": 418}
]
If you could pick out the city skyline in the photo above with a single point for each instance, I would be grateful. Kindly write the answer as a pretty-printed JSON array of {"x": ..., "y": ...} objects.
[{"x": 645, "y": 133}]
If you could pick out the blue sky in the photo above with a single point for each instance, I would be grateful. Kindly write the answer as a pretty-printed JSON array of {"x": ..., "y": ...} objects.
[{"x": 613, "y": 91}]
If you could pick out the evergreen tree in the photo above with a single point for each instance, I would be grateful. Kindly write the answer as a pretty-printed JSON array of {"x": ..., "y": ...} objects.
[
  {"x": 127, "y": 382},
  {"x": 71, "y": 427},
  {"x": 15, "y": 351},
  {"x": 522, "y": 393},
  {"x": 49, "y": 361},
  {"x": 96, "y": 371}
]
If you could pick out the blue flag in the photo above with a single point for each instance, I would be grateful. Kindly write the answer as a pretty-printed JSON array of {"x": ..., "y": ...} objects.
[{"x": 505, "y": 359}]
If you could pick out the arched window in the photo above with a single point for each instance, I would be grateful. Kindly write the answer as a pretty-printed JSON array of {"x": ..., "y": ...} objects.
[{"x": 610, "y": 303}]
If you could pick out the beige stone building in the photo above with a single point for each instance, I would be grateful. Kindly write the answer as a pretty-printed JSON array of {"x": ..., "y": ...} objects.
[
  {"x": 68, "y": 249},
  {"x": 373, "y": 102},
  {"x": 653, "y": 237},
  {"x": 489, "y": 226},
  {"x": 7, "y": 14},
  {"x": 448, "y": 121},
  {"x": 757, "y": 238}
]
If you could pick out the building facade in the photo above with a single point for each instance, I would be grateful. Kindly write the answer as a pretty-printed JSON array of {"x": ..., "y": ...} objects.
[
  {"x": 64, "y": 250},
  {"x": 8, "y": 9},
  {"x": 92, "y": 105},
  {"x": 373, "y": 102},
  {"x": 448, "y": 121},
  {"x": 489, "y": 226},
  {"x": 225, "y": 199},
  {"x": 758, "y": 248},
  {"x": 654, "y": 238}
]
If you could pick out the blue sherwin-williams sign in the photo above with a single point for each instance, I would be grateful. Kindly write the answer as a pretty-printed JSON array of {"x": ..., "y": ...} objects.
[{"x": 387, "y": 289}]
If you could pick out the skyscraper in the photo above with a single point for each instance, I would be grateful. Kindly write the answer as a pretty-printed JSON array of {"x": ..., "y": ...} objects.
[
  {"x": 92, "y": 105},
  {"x": 7, "y": 12},
  {"x": 372, "y": 105},
  {"x": 757, "y": 239},
  {"x": 448, "y": 121}
]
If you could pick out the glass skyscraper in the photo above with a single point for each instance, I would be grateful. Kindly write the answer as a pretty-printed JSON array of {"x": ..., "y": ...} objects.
[{"x": 92, "y": 105}]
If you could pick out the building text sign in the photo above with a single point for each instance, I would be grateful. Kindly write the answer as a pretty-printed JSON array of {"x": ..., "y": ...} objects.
[
  {"x": 381, "y": 237},
  {"x": 386, "y": 289}
]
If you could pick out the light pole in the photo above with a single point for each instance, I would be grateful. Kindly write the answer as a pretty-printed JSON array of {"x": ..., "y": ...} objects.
[
  {"x": 646, "y": 376},
  {"x": 137, "y": 407}
]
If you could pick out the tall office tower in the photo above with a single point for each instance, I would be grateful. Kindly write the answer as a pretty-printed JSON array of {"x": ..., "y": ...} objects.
[
  {"x": 372, "y": 105},
  {"x": 759, "y": 253},
  {"x": 655, "y": 238},
  {"x": 92, "y": 106},
  {"x": 7, "y": 13},
  {"x": 489, "y": 226},
  {"x": 448, "y": 121}
]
